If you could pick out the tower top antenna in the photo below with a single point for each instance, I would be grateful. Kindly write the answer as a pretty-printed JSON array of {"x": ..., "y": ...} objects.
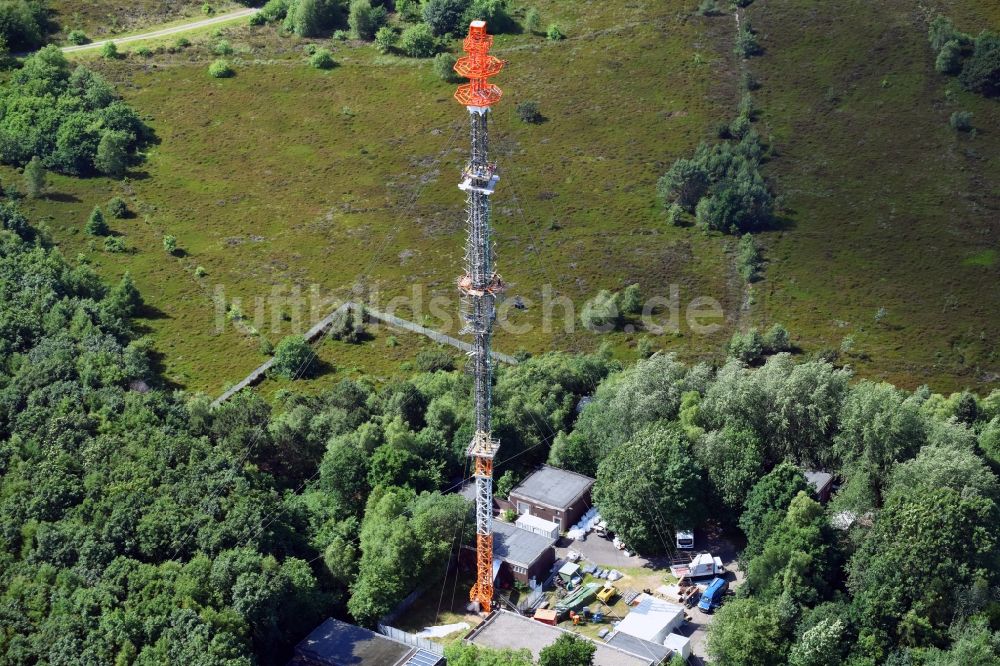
[{"x": 478, "y": 66}]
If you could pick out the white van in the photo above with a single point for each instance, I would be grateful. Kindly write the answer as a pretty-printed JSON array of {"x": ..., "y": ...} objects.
[{"x": 685, "y": 540}]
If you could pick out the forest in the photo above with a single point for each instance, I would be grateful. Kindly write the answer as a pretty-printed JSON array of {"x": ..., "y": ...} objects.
[{"x": 140, "y": 525}]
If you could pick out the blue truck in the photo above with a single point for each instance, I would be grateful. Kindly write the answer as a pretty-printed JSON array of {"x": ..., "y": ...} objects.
[{"x": 711, "y": 598}]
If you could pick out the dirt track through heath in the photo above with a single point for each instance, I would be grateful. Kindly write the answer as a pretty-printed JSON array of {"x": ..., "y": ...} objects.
[{"x": 164, "y": 32}]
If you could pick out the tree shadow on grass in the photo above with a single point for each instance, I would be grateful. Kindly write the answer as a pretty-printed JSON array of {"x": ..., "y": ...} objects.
[
  {"x": 158, "y": 371},
  {"x": 781, "y": 222},
  {"x": 61, "y": 197}
]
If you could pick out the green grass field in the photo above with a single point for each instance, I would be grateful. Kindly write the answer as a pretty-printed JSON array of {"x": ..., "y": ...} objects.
[
  {"x": 101, "y": 19},
  {"x": 888, "y": 206},
  {"x": 285, "y": 177}
]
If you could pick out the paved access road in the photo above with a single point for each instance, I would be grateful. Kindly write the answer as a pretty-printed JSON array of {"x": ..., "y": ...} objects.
[{"x": 164, "y": 32}]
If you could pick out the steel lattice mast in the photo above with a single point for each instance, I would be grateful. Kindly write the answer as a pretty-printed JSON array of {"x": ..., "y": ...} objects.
[{"x": 480, "y": 286}]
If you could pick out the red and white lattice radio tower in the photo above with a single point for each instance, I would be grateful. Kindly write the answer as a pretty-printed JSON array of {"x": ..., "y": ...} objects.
[{"x": 480, "y": 286}]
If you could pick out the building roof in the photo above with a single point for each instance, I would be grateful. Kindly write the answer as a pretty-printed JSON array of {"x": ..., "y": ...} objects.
[
  {"x": 817, "y": 479},
  {"x": 517, "y": 546},
  {"x": 336, "y": 643},
  {"x": 676, "y": 642},
  {"x": 504, "y": 629},
  {"x": 654, "y": 651},
  {"x": 553, "y": 487},
  {"x": 650, "y": 618}
]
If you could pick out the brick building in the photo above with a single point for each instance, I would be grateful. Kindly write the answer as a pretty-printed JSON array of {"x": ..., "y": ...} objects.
[{"x": 553, "y": 494}]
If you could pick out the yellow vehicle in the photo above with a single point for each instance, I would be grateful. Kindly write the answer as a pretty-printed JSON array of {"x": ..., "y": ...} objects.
[{"x": 607, "y": 593}]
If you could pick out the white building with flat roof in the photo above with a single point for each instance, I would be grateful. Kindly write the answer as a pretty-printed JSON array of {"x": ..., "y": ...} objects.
[{"x": 652, "y": 620}]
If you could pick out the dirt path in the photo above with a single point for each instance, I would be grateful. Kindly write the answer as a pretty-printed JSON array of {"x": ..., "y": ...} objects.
[{"x": 164, "y": 32}]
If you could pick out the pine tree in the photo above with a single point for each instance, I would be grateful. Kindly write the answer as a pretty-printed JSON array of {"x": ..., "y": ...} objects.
[
  {"x": 35, "y": 178},
  {"x": 96, "y": 224}
]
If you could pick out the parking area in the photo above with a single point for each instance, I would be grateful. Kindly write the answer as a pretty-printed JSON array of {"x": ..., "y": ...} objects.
[
  {"x": 599, "y": 551},
  {"x": 602, "y": 551}
]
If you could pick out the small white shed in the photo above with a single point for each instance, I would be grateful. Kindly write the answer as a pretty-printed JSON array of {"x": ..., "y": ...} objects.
[
  {"x": 537, "y": 525},
  {"x": 678, "y": 645}
]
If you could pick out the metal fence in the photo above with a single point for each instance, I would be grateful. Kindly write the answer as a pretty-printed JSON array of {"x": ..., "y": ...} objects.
[
  {"x": 410, "y": 639},
  {"x": 441, "y": 338},
  {"x": 319, "y": 329},
  {"x": 531, "y": 600}
]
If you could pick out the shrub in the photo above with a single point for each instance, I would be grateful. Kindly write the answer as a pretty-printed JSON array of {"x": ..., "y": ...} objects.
[
  {"x": 494, "y": 12},
  {"x": 365, "y": 20},
  {"x": 340, "y": 35},
  {"x": 258, "y": 18},
  {"x": 144, "y": 52},
  {"x": 555, "y": 33},
  {"x": 322, "y": 59},
  {"x": 207, "y": 9},
  {"x": 308, "y": 18},
  {"x": 348, "y": 326},
  {"x": 109, "y": 51},
  {"x": 117, "y": 208},
  {"x": 114, "y": 244},
  {"x": 444, "y": 16},
  {"x": 942, "y": 31},
  {"x": 182, "y": 43},
  {"x": 684, "y": 184},
  {"x": 391, "y": 341},
  {"x": 201, "y": 272},
  {"x": 274, "y": 10},
  {"x": 444, "y": 67},
  {"x": 600, "y": 314},
  {"x": 736, "y": 204},
  {"x": 77, "y": 37},
  {"x": 740, "y": 126},
  {"x": 630, "y": 300},
  {"x": 644, "y": 347},
  {"x": 221, "y": 69},
  {"x": 292, "y": 358},
  {"x": 433, "y": 360},
  {"x": 532, "y": 20},
  {"x": 747, "y": 347},
  {"x": 409, "y": 10},
  {"x": 981, "y": 73},
  {"x": 750, "y": 258},
  {"x": 265, "y": 346},
  {"x": 709, "y": 8},
  {"x": 747, "y": 82},
  {"x": 223, "y": 48},
  {"x": 961, "y": 121},
  {"x": 528, "y": 112},
  {"x": 847, "y": 344},
  {"x": 112, "y": 154},
  {"x": 35, "y": 178},
  {"x": 417, "y": 41},
  {"x": 96, "y": 224},
  {"x": 746, "y": 41},
  {"x": 385, "y": 39},
  {"x": 777, "y": 340},
  {"x": 169, "y": 244},
  {"x": 675, "y": 215},
  {"x": 949, "y": 60}
]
